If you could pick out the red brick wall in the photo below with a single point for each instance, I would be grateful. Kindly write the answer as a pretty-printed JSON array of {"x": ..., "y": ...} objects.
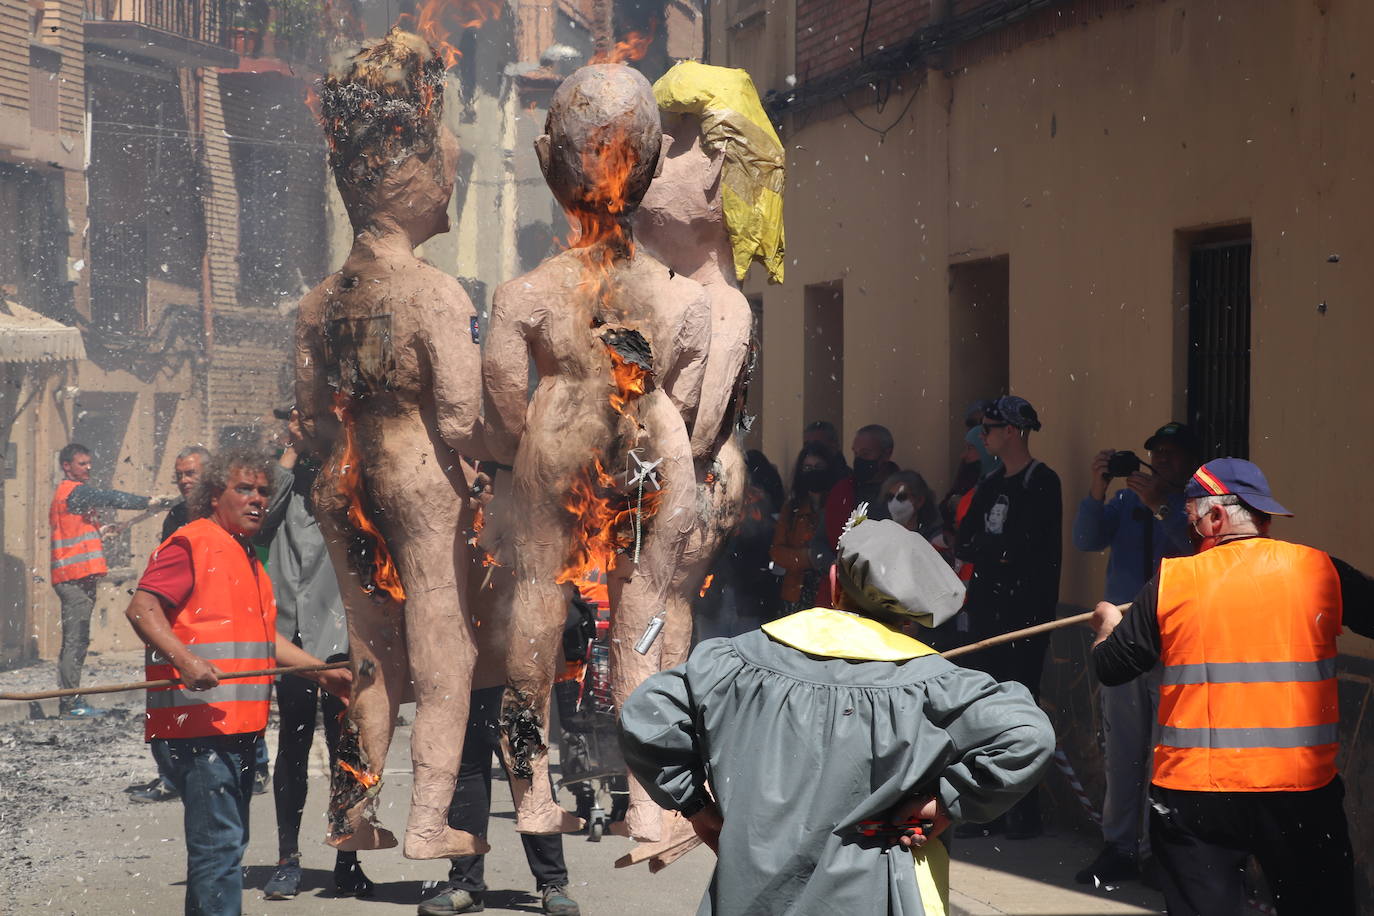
[{"x": 829, "y": 32}]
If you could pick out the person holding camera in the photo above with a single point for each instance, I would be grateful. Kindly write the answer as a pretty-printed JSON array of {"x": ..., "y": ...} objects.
[{"x": 1143, "y": 522}]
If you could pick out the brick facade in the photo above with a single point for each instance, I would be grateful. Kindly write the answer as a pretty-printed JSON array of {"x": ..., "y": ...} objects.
[{"x": 831, "y": 36}]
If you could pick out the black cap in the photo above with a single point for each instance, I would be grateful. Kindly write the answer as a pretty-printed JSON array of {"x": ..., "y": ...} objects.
[
  {"x": 1178, "y": 433},
  {"x": 1016, "y": 411}
]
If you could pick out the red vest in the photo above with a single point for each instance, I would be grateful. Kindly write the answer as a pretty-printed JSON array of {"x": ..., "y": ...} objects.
[
  {"x": 229, "y": 620},
  {"x": 1249, "y": 699},
  {"x": 76, "y": 548}
]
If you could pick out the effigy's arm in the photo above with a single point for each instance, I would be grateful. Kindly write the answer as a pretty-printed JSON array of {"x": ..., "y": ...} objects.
[
  {"x": 731, "y": 325},
  {"x": 313, "y": 401},
  {"x": 505, "y": 376},
  {"x": 454, "y": 352}
]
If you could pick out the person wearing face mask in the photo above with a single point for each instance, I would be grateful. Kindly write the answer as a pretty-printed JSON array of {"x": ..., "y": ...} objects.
[
  {"x": 798, "y": 548},
  {"x": 1245, "y": 764},
  {"x": 911, "y": 504},
  {"x": 873, "y": 446}
]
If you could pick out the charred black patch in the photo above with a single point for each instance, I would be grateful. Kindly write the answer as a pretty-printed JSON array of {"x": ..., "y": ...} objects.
[
  {"x": 631, "y": 346},
  {"x": 521, "y": 728},
  {"x": 351, "y": 781}
]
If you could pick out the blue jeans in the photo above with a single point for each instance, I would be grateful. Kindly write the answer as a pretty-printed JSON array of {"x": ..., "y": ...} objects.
[{"x": 215, "y": 779}]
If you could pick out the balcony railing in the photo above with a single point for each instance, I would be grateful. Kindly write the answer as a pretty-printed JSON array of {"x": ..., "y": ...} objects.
[{"x": 204, "y": 21}]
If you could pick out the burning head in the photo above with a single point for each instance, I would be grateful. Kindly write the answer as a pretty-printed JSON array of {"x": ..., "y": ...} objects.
[
  {"x": 600, "y": 148},
  {"x": 381, "y": 108}
]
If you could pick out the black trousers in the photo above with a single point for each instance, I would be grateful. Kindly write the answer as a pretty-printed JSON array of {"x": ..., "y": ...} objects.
[
  {"x": 1202, "y": 840},
  {"x": 1022, "y": 661},
  {"x": 298, "y": 700},
  {"x": 471, "y": 806}
]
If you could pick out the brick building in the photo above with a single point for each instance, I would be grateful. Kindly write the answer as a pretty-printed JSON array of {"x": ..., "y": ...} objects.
[{"x": 143, "y": 165}]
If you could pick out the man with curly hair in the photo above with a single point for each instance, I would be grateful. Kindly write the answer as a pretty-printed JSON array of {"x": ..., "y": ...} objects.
[{"x": 204, "y": 608}]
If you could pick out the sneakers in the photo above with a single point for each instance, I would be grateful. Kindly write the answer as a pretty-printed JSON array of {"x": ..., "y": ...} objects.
[
  {"x": 451, "y": 901},
  {"x": 558, "y": 903},
  {"x": 1111, "y": 866},
  {"x": 349, "y": 880},
  {"x": 285, "y": 882},
  {"x": 260, "y": 781},
  {"x": 82, "y": 710},
  {"x": 155, "y": 791}
]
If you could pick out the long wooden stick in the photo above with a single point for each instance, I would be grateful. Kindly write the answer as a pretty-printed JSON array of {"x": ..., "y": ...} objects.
[
  {"x": 1019, "y": 634},
  {"x": 171, "y": 682},
  {"x": 302, "y": 669}
]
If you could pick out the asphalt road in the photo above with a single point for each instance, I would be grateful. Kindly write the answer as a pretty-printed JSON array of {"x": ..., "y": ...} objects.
[
  {"x": 132, "y": 861},
  {"x": 74, "y": 843}
]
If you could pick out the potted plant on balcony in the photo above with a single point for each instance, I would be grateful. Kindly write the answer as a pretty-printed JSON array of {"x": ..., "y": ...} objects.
[{"x": 252, "y": 19}]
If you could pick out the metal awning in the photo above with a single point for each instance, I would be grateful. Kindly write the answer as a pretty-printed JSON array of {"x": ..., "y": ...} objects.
[{"x": 28, "y": 337}]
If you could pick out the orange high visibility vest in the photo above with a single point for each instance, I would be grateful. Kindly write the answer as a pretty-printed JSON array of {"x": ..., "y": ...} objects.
[
  {"x": 1248, "y": 701},
  {"x": 76, "y": 549},
  {"x": 230, "y": 619}
]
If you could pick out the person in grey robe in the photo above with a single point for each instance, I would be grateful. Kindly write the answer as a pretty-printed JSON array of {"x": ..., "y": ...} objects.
[
  {"x": 310, "y": 613},
  {"x": 777, "y": 744}
]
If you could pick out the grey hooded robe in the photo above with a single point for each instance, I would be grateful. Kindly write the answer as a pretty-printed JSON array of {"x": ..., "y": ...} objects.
[{"x": 798, "y": 749}]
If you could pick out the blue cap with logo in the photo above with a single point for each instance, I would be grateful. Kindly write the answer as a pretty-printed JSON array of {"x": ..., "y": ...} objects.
[{"x": 1234, "y": 477}]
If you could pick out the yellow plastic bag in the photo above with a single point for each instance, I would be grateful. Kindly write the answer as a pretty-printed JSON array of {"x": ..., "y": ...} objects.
[{"x": 733, "y": 120}]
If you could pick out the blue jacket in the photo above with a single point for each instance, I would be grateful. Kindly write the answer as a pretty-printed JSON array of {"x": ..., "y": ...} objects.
[{"x": 1119, "y": 524}]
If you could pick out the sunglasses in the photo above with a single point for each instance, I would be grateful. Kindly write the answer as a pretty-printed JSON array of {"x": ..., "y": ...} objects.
[
  {"x": 988, "y": 426},
  {"x": 901, "y": 496}
]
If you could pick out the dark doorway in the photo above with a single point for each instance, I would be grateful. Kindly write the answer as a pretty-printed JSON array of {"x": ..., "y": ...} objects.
[{"x": 823, "y": 327}]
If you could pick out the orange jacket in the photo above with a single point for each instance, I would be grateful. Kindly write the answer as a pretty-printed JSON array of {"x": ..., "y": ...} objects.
[
  {"x": 796, "y": 528},
  {"x": 76, "y": 548},
  {"x": 230, "y": 620},
  {"x": 1248, "y": 645}
]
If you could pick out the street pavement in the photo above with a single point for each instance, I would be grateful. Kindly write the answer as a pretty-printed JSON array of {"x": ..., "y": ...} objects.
[{"x": 129, "y": 857}]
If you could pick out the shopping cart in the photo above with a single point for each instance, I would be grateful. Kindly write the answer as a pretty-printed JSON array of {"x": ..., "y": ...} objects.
[{"x": 591, "y": 765}]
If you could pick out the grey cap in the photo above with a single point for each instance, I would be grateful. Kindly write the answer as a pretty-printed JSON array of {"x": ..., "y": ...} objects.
[{"x": 893, "y": 574}]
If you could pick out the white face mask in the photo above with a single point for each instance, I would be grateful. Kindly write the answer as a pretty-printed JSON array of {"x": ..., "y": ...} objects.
[{"x": 901, "y": 510}]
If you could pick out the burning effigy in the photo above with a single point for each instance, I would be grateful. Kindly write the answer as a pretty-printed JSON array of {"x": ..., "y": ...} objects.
[
  {"x": 388, "y": 386},
  {"x": 714, "y": 208},
  {"x": 603, "y": 473}
]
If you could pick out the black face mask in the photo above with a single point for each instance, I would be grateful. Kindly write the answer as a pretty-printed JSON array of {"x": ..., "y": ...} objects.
[
  {"x": 865, "y": 468},
  {"x": 812, "y": 481}
]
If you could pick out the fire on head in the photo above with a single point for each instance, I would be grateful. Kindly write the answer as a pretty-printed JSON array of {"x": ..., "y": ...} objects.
[
  {"x": 600, "y": 147},
  {"x": 380, "y": 107}
]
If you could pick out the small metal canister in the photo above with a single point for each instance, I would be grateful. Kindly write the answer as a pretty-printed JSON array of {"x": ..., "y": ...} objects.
[{"x": 651, "y": 631}]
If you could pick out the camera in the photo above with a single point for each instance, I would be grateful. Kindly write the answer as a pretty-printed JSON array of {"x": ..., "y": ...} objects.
[{"x": 1122, "y": 464}]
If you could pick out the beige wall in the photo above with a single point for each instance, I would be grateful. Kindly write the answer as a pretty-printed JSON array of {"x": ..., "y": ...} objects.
[{"x": 1079, "y": 157}]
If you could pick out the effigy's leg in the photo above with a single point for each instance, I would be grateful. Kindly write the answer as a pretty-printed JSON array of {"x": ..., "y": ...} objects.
[
  {"x": 443, "y": 654},
  {"x": 646, "y": 594},
  {"x": 376, "y": 633}
]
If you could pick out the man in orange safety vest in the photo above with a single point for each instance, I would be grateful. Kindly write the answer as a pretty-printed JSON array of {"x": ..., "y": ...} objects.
[
  {"x": 78, "y": 562},
  {"x": 1245, "y": 764}
]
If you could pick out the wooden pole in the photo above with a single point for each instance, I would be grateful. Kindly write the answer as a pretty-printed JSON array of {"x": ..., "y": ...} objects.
[
  {"x": 302, "y": 669},
  {"x": 1019, "y": 634},
  {"x": 172, "y": 682}
]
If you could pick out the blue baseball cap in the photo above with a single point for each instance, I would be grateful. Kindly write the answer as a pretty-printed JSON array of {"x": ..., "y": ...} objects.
[{"x": 1234, "y": 477}]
